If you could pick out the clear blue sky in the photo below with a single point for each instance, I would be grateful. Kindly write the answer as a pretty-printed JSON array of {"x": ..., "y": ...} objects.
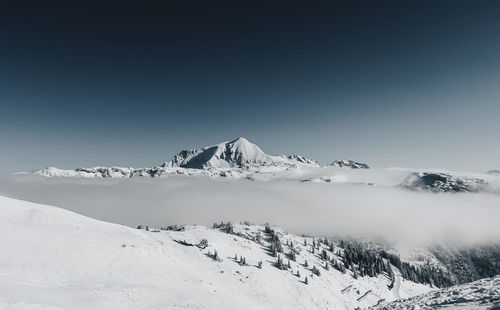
[{"x": 390, "y": 83}]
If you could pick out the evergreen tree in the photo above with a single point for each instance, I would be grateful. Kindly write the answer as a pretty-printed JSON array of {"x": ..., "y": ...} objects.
[
  {"x": 293, "y": 255},
  {"x": 216, "y": 255},
  {"x": 324, "y": 255}
]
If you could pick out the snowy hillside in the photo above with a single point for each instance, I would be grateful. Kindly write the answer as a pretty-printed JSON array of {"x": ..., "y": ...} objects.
[
  {"x": 482, "y": 294},
  {"x": 55, "y": 259}
]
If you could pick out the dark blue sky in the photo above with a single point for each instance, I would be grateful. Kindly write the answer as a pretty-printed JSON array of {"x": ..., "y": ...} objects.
[{"x": 390, "y": 83}]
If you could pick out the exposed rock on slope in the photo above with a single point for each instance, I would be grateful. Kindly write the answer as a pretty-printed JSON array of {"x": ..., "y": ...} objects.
[{"x": 347, "y": 163}]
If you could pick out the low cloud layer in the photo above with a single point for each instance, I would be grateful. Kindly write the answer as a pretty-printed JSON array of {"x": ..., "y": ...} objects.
[{"x": 326, "y": 209}]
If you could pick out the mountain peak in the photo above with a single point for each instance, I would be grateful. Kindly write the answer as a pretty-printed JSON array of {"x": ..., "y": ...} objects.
[
  {"x": 237, "y": 153},
  {"x": 240, "y": 140}
]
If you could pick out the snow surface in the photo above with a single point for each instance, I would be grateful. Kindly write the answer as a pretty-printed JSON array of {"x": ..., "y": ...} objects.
[{"x": 51, "y": 258}]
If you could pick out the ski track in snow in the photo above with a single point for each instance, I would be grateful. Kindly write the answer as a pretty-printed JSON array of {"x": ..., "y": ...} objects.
[{"x": 397, "y": 284}]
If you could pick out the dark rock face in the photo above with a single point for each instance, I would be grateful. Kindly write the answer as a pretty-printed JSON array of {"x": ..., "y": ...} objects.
[{"x": 442, "y": 182}]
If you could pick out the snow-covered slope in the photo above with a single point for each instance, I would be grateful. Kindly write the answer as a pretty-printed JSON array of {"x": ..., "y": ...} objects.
[
  {"x": 55, "y": 259},
  {"x": 482, "y": 294}
]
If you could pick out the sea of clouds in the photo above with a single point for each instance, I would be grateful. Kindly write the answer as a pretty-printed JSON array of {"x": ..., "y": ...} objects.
[{"x": 343, "y": 208}]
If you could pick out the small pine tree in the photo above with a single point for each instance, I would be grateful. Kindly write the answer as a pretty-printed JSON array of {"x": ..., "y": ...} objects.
[
  {"x": 306, "y": 264},
  {"x": 324, "y": 255},
  {"x": 305, "y": 242},
  {"x": 306, "y": 281},
  {"x": 229, "y": 228},
  {"x": 298, "y": 273},
  {"x": 216, "y": 255},
  {"x": 279, "y": 263},
  {"x": 259, "y": 265}
]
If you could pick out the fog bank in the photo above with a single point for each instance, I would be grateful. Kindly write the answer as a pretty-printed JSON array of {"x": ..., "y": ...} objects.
[{"x": 313, "y": 208}]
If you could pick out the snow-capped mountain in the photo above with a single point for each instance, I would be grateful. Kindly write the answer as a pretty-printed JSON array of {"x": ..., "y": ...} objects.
[
  {"x": 443, "y": 182},
  {"x": 347, "y": 163},
  {"x": 239, "y": 153},
  {"x": 494, "y": 172}
]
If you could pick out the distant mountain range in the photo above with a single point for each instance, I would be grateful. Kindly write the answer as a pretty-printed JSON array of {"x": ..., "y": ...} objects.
[
  {"x": 230, "y": 158},
  {"x": 240, "y": 158}
]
